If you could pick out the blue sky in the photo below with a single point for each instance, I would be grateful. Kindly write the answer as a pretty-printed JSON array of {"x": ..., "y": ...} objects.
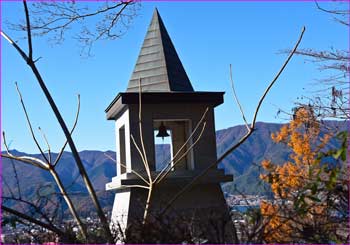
[{"x": 208, "y": 37}]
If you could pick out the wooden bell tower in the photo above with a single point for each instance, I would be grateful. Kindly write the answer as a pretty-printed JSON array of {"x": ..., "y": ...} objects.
[{"x": 170, "y": 109}]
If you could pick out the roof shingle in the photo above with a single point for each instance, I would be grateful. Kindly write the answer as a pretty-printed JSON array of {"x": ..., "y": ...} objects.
[{"x": 158, "y": 64}]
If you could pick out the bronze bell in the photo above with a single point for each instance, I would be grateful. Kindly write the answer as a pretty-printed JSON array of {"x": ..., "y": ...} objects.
[{"x": 162, "y": 132}]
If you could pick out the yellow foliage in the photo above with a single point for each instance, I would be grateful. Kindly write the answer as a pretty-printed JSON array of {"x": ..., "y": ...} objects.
[
  {"x": 266, "y": 164},
  {"x": 278, "y": 137},
  {"x": 275, "y": 223},
  {"x": 301, "y": 135}
]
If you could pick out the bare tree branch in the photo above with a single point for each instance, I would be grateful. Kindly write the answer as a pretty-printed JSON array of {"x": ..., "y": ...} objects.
[
  {"x": 47, "y": 144},
  {"x": 29, "y": 35},
  {"x": 147, "y": 168},
  {"x": 344, "y": 13},
  {"x": 245, "y": 137},
  {"x": 30, "y": 160},
  {"x": 183, "y": 155},
  {"x": 8, "y": 187},
  {"x": 16, "y": 178},
  {"x": 141, "y": 134},
  {"x": 32, "y": 205},
  {"x": 28, "y": 58},
  {"x": 69, "y": 202},
  {"x": 29, "y": 123},
  {"x": 133, "y": 171},
  {"x": 56, "y": 20},
  {"x": 25, "y": 159},
  {"x": 71, "y": 132},
  {"x": 184, "y": 144},
  {"x": 32, "y": 220},
  {"x": 276, "y": 77},
  {"x": 46, "y": 166},
  {"x": 67, "y": 134},
  {"x": 236, "y": 99},
  {"x": 19, "y": 50},
  {"x": 138, "y": 149},
  {"x": 136, "y": 186}
]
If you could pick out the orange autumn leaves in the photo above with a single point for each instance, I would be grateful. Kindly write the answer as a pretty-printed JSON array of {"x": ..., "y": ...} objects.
[
  {"x": 302, "y": 136},
  {"x": 277, "y": 228}
]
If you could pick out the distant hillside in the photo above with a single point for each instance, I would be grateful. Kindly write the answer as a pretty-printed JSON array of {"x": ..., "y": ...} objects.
[{"x": 243, "y": 164}]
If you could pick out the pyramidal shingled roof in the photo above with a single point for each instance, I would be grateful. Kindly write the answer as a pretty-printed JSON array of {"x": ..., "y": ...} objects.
[{"x": 158, "y": 64}]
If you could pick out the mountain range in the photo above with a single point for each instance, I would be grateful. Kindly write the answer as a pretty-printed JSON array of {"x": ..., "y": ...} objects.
[{"x": 243, "y": 163}]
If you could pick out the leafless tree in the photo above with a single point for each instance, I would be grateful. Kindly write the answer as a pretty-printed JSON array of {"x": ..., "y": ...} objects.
[
  {"x": 250, "y": 128},
  {"x": 340, "y": 13},
  {"x": 48, "y": 164},
  {"x": 42, "y": 210},
  {"x": 330, "y": 94},
  {"x": 334, "y": 59},
  {"x": 83, "y": 21}
]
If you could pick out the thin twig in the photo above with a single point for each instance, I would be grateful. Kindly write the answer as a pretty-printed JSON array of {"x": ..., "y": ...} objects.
[
  {"x": 47, "y": 144},
  {"x": 16, "y": 178},
  {"x": 138, "y": 149},
  {"x": 244, "y": 138},
  {"x": 14, "y": 44},
  {"x": 30, "y": 160},
  {"x": 184, "y": 144},
  {"x": 236, "y": 99},
  {"x": 278, "y": 74},
  {"x": 76, "y": 17},
  {"x": 8, "y": 188},
  {"x": 35, "y": 207},
  {"x": 183, "y": 155},
  {"x": 69, "y": 202},
  {"x": 32, "y": 220},
  {"x": 145, "y": 160},
  {"x": 71, "y": 132},
  {"x": 136, "y": 186},
  {"x": 338, "y": 12},
  {"x": 29, "y": 123},
  {"x": 133, "y": 171},
  {"x": 141, "y": 133},
  {"x": 25, "y": 159}
]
